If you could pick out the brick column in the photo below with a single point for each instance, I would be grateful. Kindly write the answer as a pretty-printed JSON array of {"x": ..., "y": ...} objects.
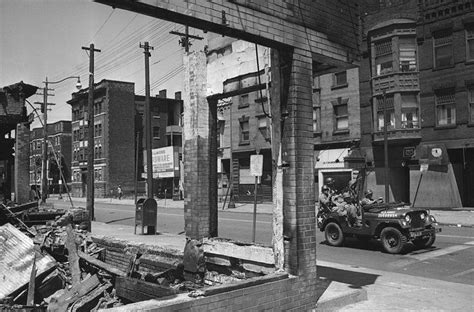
[
  {"x": 22, "y": 163},
  {"x": 198, "y": 219},
  {"x": 298, "y": 184}
]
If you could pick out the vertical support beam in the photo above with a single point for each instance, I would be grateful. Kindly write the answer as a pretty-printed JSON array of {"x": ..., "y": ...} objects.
[
  {"x": 22, "y": 163},
  {"x": 277, "y": 171},
  {"x": 297, "y": 156},
  {"x": 198, "y": 207}
]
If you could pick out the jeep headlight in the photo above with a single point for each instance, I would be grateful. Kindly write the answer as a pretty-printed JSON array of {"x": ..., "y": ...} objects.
[
  {"x": 407, "y": 218},
  {"x": 422, "y": 216},
  {"x": 432, "y": 219}
]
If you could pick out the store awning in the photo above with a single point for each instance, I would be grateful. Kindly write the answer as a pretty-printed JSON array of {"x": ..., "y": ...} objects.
[{"x": 330, "y": 158}]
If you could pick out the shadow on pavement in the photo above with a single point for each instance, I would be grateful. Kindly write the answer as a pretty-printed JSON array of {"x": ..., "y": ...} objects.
[{"x": 354, "y": 279}]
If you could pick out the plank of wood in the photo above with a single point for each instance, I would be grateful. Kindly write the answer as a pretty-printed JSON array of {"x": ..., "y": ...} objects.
[
  {"x": 72, "y": 255},
  {"x": 244, "y": 284},
  {"x": 89, "y": 301},
  {"x": 101, "y": 265},
  {"x": 230, "y": 249},
  {"x": 137, "y": 290},
  {"x": 61, "y": 303},
  {"x": 30, "y": 299}
]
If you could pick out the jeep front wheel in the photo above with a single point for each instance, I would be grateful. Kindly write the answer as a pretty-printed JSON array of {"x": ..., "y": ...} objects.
[
  {"x": 333, "y": 234},
  {"x": 425, "y": 242},
  {"x": 393, "y": 240}
]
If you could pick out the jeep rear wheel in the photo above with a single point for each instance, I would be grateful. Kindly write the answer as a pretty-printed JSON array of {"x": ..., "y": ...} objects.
[
  {"x": 393, "y": 240},
  {"x": 425, "y": 242},
  {"x": 333, "y": 234}
]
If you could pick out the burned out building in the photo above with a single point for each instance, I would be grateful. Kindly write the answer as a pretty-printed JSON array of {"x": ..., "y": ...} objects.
[{"x": 14, "y": 142}]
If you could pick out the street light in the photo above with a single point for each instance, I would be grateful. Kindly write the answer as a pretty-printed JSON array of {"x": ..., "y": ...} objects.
[{"x": 44, "y": 105}]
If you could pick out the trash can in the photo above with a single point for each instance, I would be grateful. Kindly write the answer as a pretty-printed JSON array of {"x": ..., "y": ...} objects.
[{"x": 145, "y": 215}]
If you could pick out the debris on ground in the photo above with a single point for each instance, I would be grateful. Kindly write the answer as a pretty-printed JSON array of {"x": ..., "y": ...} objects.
[{"x": 50, "y": 262}]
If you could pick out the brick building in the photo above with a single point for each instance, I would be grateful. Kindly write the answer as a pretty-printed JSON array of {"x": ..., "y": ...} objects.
[
  {"x": 118, "y": 123},
  {"x": 243, "y": 123},
  {"x": 411, "y": 69},
  {"x": 445, "y": 33},
  {"x": 60, "y": 140},
  {"x": 14, "y": 142},
  {"x": 336, "y": 124}
]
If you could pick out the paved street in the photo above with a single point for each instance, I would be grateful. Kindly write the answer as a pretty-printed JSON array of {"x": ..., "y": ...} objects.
[{"x": 450, "y": 259}]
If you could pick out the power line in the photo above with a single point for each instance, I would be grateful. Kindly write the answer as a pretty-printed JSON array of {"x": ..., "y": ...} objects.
[{"x": 106, "y": 20}]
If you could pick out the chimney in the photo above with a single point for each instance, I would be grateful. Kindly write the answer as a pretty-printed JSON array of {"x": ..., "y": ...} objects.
[
  {"x": 162, "y": 94},
  {"x": 177, "y": 95}
]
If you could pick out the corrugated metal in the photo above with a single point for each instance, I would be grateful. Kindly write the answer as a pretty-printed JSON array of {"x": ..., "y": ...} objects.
[{"x": 16, "y": 260}]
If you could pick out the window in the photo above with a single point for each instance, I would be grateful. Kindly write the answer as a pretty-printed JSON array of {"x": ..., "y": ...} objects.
[
  {"x": 409, "y": 118},
  {"x": 244, "y": 101},
  {"x": 263, "y": 127},
  {"x": 244, "y": 130},
  {"x": 390, "y": 113},
  {"x": 383, "y": 57},
  {"x": 407, "y": 55},
  {"x": 470, "y": 43},
  {"x": 316, "y": 110},
  {"x": 445, "y": 108},
  {"x": 470, "y": 96},
  {"x": 341, "y": 114},
  {"x": 156, "y": 132},
  {"x": 98, "y": 130},
  {"x": 443, "y": 49},
  {"x": 340, "y": 79}
]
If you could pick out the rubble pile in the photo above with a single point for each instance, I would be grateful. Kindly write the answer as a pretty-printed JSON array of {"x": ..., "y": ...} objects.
[{"x": 59, "y": 267}]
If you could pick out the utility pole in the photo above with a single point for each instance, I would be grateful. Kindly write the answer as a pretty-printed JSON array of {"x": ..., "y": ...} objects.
[
  {"x": 44, "y": 166},
  {"x": 185, "y": 42},
  {"x": 385, "y": 148},
  {"x": 90, "y": 130},
  {"x": 147, "y": 130}
]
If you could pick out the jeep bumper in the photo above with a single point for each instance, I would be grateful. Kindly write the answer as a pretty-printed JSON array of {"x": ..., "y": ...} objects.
[{"x": 423, "y": 232}]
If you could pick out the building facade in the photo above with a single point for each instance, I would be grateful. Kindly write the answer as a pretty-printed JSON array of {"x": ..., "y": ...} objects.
[
  {"x": 59, "y": 156},
  {"x": 119, "y": 138},
  {"x": 415, "y": 83},
  {"x": 336, "y": 125}
]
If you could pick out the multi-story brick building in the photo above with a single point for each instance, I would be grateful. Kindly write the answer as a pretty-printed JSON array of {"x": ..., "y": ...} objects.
[
  {"x": 445, "y": 33},
  {"x": 59, "y": 156},
  {"x": 336, "y": 124},
  {"x": 416, "y": 69},
  {"x": 243, "y": 126},
  {"x": 118, "y": 137}
]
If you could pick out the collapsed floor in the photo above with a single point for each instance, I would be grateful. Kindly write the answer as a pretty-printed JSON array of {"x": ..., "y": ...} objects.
[{"x": 55, "y": 265}]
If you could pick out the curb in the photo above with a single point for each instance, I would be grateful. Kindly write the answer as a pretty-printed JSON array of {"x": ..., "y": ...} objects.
[
  {"x": 456, "y": 225},
  {"x": 339, "y": 295}
]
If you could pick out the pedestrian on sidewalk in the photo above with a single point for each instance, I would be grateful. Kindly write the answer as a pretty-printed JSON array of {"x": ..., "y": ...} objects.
[{"x": 119, "y": 191}]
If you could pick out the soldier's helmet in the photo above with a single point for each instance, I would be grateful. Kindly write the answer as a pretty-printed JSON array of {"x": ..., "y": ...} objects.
[
  {"x": 369, "y": 192},
  {"x": 329, "y": 181},
  {"x": 325, "y": 188}
]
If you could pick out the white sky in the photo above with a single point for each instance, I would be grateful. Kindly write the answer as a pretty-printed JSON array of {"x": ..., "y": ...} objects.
[{"x": 43, "y": 38}]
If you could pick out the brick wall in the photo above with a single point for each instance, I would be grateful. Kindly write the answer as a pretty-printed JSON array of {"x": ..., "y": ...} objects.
[
  {"x": 319, "y": 26},
  {"x": 197, "y": 136},
  {"x": 22, "y": 163},
  {"x": 119, "y": 131},
  {"x": 298, "y": 184}
]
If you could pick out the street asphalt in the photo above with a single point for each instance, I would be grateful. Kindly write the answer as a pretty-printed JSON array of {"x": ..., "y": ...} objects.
[{"x": 380, "y": 291}]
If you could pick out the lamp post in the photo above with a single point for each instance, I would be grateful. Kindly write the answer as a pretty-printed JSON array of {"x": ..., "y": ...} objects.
[{"x": 44, "y": 106}]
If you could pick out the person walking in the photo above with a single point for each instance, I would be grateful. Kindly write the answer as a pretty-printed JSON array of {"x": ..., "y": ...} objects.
[{"x": 119, "y": 192}]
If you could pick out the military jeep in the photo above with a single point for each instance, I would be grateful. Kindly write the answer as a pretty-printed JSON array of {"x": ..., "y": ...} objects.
[{"x": 395, "y": 224}]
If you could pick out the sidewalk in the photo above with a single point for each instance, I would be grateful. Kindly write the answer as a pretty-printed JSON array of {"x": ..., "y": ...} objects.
[{"x": 460, "y": 217}]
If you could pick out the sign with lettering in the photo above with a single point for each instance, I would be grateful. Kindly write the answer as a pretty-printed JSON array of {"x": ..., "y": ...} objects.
[{"x": 163, "y": 161}]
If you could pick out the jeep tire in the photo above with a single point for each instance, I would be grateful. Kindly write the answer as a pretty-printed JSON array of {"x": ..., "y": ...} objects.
[
  {"x": 333, "y": 234},
  {"x": 424, "y": 242},
  {"x": 393, "y": 241}
]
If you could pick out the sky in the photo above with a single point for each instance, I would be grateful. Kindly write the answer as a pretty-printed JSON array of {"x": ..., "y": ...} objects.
[{"x": 42, "y": 39}]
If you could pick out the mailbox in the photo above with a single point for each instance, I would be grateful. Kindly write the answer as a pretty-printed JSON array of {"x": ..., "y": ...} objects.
[{"x": 145, "y": 215}]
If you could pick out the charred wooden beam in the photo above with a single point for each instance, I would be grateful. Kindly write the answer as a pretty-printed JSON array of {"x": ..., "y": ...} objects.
[
  {"x": 101, "y": 265},
  {"x": 137, "y": 290}
]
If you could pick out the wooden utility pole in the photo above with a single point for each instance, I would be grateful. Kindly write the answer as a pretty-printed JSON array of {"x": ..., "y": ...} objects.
[
  {"x": 90, "y": 130},
  {"x": 147, "y": 130},
  {"x": 185, "y": 41},
  {"x": 44, "y": 166}
]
